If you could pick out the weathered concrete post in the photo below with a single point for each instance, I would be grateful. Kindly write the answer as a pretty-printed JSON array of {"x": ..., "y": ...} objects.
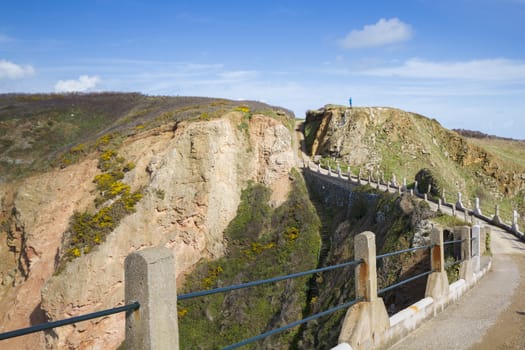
[
  {"x": 404, "y": 184},
  {"x": 359, "y": 177},
  {"x": 387, "y": 187},
  {"x": 318, "y": 167},
  {"x": 150, "y": 280},
  {"x": 515, "y": 216},
  {"x": 476, "y": 247},
  {"x": 394, "y": 180},
  {"x": 366, "y": 321},
  {"x": 439, "y": 205},
  {"x": 459, "y": 203},
  {"x": 485, "y": 243},
  {"x": 425, "y": 197},
  {"x": 466, "y": 270},
  {"x": 437, "y": 281},
  {"x": 416, "y": 189},
  {"x": 496, "y": 219},
  {"x": 477, "y": 209},
  {"x": 411, "y": 192},
  {"x": 429, "y": 188},
  {"x": 453, "y": 211},
  {"x": 339, "y": 174},
  {"x": 443, "y": 196}
]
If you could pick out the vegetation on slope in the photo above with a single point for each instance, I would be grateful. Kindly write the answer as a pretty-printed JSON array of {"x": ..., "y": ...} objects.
[
  {"x": 394, "y": 220},
  {"x": 262, "y": 243},
  {"x": 115, "y": 201},
  {"x": 385, "y": 141},
  {"x": 39, "y": 132}
]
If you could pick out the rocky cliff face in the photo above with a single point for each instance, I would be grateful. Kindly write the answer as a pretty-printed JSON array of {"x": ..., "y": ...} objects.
[
  {"x": 191, "y": 174},
  {"x": 387, "y": 141}
]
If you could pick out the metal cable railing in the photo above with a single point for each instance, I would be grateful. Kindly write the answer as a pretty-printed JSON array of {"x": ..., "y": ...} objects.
[
  {"x": 403, "y": 251},
  {"x": 293, "y": 324},
  {"x": 273, "y": 280},
  {"x": 44, "y": 326},
  {"x": 407, "y": 280},
  {"x": 265, "y": 281}
]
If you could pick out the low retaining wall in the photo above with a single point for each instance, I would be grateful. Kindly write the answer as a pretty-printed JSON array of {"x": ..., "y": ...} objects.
[{"x": 409, "y": 319}]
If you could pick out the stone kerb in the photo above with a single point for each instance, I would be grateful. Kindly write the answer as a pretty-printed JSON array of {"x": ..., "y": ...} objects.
[{"x": 150, "y": 280}]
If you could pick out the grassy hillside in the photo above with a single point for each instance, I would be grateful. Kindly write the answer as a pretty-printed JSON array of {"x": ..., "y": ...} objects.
[
  {"x": 390, "y": 141},
  {"x": 38, "y": 132}
]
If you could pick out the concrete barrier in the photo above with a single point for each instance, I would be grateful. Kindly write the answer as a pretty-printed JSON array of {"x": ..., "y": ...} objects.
[{"x": 150, "y": 280}]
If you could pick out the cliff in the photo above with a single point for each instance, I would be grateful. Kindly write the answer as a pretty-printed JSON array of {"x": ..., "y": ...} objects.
[
  {"x": 388, "y": 141},
  {"x": 188, "y": 176}
]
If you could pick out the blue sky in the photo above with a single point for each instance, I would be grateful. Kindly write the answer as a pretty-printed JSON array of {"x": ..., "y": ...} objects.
[{"x": 461, "y": 62}]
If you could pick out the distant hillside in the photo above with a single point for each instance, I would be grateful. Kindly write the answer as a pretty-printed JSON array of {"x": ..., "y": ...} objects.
[
  {"x": 391, "y": 141},
  {"x": 38, "y": 130},
  {"x": 480, "y": 135}
]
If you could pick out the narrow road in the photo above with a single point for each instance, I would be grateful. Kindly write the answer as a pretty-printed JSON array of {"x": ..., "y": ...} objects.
[{"x": 489, "y": 316}]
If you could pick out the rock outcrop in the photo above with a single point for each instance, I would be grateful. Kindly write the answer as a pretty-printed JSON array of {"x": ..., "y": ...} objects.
[
  {"x": 387, "y": 141},
  {"x": 191, "y": 174}
]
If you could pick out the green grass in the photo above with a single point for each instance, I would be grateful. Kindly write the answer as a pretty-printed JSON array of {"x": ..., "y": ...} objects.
[
  {"x": 262, "y": 243},
  {"x": 40, "y": 132},
  {"x": 448, "y": 221}
]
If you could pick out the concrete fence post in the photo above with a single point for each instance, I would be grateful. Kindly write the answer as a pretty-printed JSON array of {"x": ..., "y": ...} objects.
[
  {"x": 459, "y": 203},
  {"x": 429, "y": 188},
  {"x": 318, "y": 167},
  {"x": 466, "y": 270},
  {"x": 485, "y": 232},
  {"x": 416, "y": 189},
  {"x": 496, "y": 219},
  {"x": 437, "y": 281},
  {"x": 443, "y": 196},
  {"x": 477, "y": 209},
  {"x": 150, "y": 280},
  {"x": 476, "y": 247},
  {"x": 404, "y": 184},
  {"x": 365, "y": 322},
  {"x": 394, "y": 180},
  {"x": 439, "y": 205}
]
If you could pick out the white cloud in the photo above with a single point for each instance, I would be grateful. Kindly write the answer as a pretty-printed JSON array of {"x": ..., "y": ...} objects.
[
  {"x": 384, "y": 32},
  {"x": 499, "y": 69},
  {"x": 5, "y": 38},
  {"x": 239, "y": 74},
  {"x": 83, "y": 83},
  {"x": 10, "y": 70}
]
